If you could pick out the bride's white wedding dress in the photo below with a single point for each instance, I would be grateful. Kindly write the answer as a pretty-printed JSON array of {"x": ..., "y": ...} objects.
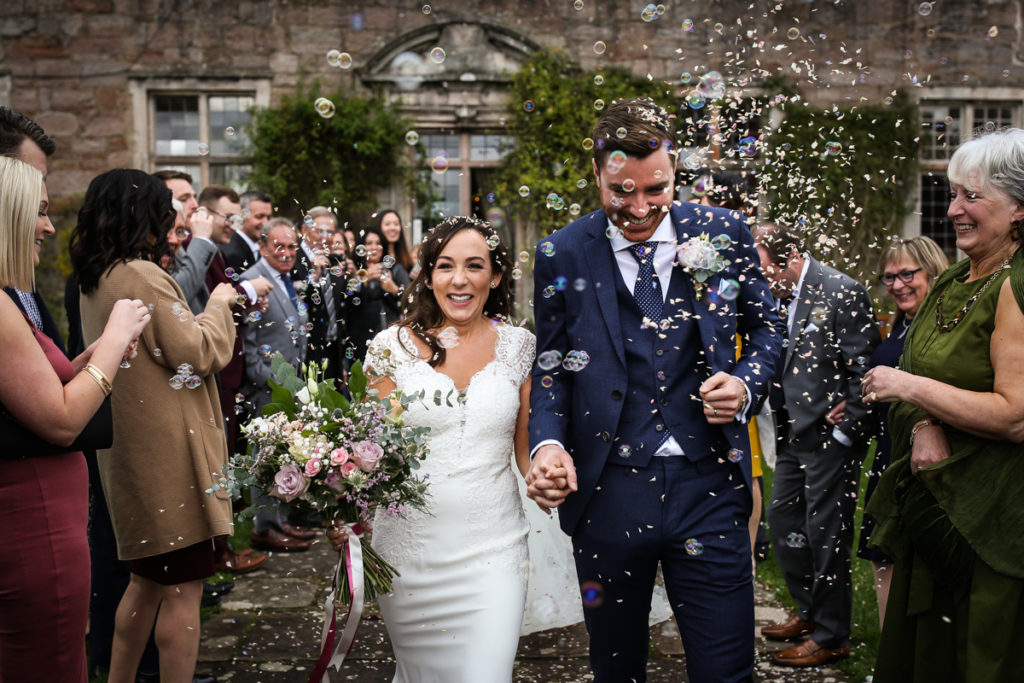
[{"x": 455, "y": 612}]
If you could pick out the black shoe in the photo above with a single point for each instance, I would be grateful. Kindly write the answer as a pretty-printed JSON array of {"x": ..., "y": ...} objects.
[
  {"x": 209, "y": 600},
  {"x": 218, "y": 588},
  {"x": 144, "y": 677},
  {"x": 204, "y": 678}
]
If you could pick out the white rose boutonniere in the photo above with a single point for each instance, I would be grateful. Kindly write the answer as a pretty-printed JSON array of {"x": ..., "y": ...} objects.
[{"x": 701, "y": 257}]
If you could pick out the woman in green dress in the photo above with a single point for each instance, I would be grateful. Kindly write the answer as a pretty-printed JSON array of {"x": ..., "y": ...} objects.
[{"x": 950, "y": 507}]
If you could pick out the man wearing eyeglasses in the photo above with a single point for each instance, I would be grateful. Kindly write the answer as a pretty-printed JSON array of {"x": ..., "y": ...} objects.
[{"x": 824, "y": 438}]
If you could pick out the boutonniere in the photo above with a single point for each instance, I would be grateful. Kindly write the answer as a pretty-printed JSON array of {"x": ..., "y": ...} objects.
[{"x": 701, "y": 257}]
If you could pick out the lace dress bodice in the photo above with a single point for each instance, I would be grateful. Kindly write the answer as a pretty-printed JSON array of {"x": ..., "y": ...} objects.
[{"x": 474, "y": 508}]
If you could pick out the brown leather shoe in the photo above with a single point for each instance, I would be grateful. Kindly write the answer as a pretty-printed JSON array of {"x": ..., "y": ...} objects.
[
  {"x": 242, "y": 562},
  {"x": 794, "y": 628},
  {"x": 297, "y": 531},
  {"x": 272, "y": 539},
  {"x": 809, "y": 653}
]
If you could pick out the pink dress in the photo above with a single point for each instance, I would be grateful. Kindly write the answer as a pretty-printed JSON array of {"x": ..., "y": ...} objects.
[{"x": 44, "y": 573}]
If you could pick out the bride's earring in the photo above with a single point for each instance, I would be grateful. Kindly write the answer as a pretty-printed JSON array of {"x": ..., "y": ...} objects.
[{"x": 493, "y": 284}]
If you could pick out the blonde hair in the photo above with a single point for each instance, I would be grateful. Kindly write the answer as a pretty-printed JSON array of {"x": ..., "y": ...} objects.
[
  {"x": 21, "y": 188},
  {"x": 921, "y": 250}
]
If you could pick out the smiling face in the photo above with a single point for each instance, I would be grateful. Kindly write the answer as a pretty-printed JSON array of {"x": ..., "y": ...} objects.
[
  {"x": 374, "y": 252},
  {"x": 391, "y": 226},
  {"x": 983, "y": 219},
  {"x": 227, "y": 215},
  {"x": 908, "y": 295},
  {"x": 44, "y": 228},
  {"x": 638, "y": 193},
  {"x": 461, "y": 278},
  {"x": 256, "y": 216},
  {"x": 280, "y": 248}
]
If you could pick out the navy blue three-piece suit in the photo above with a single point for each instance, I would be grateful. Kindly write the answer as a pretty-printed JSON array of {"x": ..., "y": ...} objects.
[{"x": 634, "y": 510}]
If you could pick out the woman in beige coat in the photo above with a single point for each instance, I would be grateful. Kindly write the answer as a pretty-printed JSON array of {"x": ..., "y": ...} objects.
[{"x": 169, "y": 446}]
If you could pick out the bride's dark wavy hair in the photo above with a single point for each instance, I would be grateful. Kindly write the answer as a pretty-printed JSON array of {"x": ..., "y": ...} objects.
[
  {"x": 422, "y": 314},
  {"x": 126, "y": 216}
]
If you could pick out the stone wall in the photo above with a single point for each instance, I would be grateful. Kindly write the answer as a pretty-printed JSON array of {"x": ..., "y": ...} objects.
[{"x": 69, "y": 63}]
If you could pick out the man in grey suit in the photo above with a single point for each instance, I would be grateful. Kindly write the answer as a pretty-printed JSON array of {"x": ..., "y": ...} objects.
[
  {"x": 282, "y": 328},
  {"x": 823, "y": 440}
]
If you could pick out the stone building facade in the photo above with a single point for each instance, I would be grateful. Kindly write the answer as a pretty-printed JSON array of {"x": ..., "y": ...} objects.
[{"x": 156, "y": 83}]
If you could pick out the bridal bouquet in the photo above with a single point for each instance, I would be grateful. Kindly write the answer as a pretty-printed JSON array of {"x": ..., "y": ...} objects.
[{"x": 341, "y": 457}]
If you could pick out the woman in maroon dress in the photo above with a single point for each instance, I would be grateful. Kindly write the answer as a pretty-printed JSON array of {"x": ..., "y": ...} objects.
[{"x": 44, "y": 578}]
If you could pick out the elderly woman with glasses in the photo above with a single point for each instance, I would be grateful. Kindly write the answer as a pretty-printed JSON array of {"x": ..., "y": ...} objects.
[
  {"x": 908, "y": 269},
  {"x": 948, "y": 508}
]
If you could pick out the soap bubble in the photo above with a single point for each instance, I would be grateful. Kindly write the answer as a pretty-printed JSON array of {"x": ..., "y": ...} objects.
[
  {"x": 324, "y": 107},
  {"x": 437, "y": 55},
  {"x": 576, "y": 360},
  {"x": 795, "y": 539},
  {"x": 924, "y": 9},
  {"x": 694, "y": 547},
  {"x": 549, "y": 360},
  {"x": 528, "y": 105},
  {"x": 592, "y": 593},
  {"x": 524, "y": 191},
  {"x": 793, "y": 33},
  {"x": 448, "y": 338},
  {"x": 833, "y": 148},
  {"x": 600, "y": 47},
  {"x": 728, "y": 289},
  {"x": 412, "y": 137}
]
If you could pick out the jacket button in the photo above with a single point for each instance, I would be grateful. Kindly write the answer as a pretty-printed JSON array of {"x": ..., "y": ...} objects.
[
  {"x": 659, "y": 352},
  {"x": 659, "y": 428},
  {"x": 605, "y": 436},
  {"x": 616, "y": 394}
]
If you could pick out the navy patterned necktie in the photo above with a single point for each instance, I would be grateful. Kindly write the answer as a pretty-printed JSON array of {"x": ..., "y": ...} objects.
[{"x": 647, "y": 290}]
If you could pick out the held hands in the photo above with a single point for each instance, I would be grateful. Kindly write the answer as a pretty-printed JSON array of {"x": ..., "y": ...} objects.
[
  {"x": 724, "y": 397},
  {"x": 551, "y": 477},
  {"x": 338, "y": 535},
  {"x": 201, "y": 223}
]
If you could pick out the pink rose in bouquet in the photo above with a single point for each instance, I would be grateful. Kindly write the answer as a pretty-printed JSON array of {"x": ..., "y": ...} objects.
[
  {"x": 348, "y": 469},
  {"x": 289, "y": 483},
  {"x": 312, "y": 467},
  {"x": 367, "y": 455},
  {"x": 335, "y": 481},
  {"x": 339, "y": 456}
]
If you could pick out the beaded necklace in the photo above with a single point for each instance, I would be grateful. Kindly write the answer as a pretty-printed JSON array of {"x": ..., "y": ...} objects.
[{"x": 947, "y": 327}]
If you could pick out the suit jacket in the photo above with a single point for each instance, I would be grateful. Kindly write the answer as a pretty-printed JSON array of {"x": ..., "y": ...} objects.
[
  {"x": 833, "y": 333},
  {"x": 237, "y": 254},
  {"x": 193, "y": 261},
  {"x": 319, "y": 300},
  {"x": 272, "y": 332},
  {"x": 582, "y": 409}
]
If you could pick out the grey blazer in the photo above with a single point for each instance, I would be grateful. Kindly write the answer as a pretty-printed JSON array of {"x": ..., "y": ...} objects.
[
  {"x": 193, "y": 263},
  {"x": 272, "y": 332},
  {"x": 831, "y": 338}
]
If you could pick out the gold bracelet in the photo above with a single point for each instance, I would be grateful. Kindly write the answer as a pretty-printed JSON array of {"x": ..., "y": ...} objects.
[
  {"x": 921, "y": 424},
  {"x": 99, "y": 377}
]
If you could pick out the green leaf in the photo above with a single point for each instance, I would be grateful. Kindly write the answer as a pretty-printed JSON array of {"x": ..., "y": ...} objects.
[{"x": 357, "y": 381}]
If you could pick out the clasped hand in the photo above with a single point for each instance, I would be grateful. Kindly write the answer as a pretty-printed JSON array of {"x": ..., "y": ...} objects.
[
  {"x": 551, "y": 477},
  {"x": 723, "y": 396}
]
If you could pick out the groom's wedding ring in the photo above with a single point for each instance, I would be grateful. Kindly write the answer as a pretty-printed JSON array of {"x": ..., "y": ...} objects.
[
  {"x": 714, "y": 411},
  {"x": 873, "y": 397}
]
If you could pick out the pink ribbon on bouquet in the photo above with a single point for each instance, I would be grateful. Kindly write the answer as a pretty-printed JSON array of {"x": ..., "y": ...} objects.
[{"x": 332, "y": 649}]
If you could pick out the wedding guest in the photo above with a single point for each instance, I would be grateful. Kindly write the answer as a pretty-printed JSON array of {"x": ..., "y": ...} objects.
[
  {"x": 948, "y": 508},
  {"x": 908, "y": 269},
  {"x": 456, "y": 607},
  {"x": 375, "y": 304},
  {"x": 44, "y": 584},
  {"x": 169, "y": 445},
  {"x": 390, "y": 225},
  {"x": 281, "y": 328},
  {"x": 243, "y": 249},
  {"x": 312, "y": 273}
]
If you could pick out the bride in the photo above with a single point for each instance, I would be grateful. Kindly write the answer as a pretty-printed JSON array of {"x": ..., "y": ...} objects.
[{"x": 455, "y": 610}]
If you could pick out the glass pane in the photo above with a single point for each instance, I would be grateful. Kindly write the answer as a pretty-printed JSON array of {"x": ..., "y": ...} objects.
[
  {"x": 229, "y": 115},
  {"x": 234, "y": 176},
  {"x": 435, "y": 144},
  {"x": 934, "y": 222},
  {"x": 444, "y": 197},
  {"x": 177, "y": 125},
  {"x": 489, "y": 147},
  {"x": 941, "y": 128},
  {"x": 993, "y": 117}
]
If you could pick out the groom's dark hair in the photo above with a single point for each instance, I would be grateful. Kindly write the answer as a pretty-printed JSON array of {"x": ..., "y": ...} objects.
[{"x": 636, "y": 126}]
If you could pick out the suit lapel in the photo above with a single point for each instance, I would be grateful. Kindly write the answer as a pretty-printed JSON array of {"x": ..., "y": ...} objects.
[
  {"x": 278, "y": 292},
  {"x": 809, "y": 293},
  {"x": 682, "y": 295},
  {"x": 603, "y": 271}
]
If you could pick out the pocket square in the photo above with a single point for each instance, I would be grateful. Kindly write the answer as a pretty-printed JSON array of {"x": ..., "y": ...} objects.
[{"x": 810, "y": 328}]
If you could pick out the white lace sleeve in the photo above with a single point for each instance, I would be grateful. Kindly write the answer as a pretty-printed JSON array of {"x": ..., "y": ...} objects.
[{"x": 523, "y": 351}]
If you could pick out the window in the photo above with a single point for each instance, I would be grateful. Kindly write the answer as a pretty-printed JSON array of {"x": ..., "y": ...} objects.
[
  {"x": 197, "y": 126},
  {"x": 459, "y": 167},
  {"x": 944, "y": 126}
]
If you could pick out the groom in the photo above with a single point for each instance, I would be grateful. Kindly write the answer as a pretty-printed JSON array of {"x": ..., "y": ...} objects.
[{"x": 644, "y": 448}]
